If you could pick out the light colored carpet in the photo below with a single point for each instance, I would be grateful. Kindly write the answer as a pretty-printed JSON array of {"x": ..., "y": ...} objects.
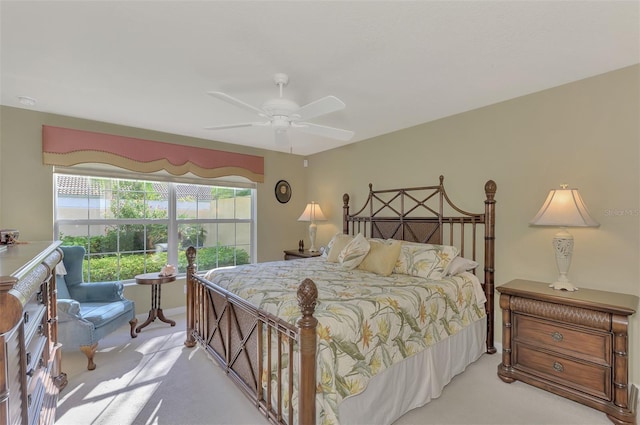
[{"x": 155, "y": 379}]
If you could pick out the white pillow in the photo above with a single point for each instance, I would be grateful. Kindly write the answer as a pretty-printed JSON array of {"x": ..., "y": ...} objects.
[
  {"x": 352, "y": 255},
  {"x": 459, "y": 265},
  {"x": 424, "y": 260},
  {"x": 336, "y": 245}
]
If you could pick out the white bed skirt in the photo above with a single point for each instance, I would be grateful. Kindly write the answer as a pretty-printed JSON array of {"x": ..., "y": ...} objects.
[{"x": 415, "y": 381}]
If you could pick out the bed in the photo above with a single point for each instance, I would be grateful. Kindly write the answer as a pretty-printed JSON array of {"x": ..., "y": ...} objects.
[{"x": 323, "y": 341}]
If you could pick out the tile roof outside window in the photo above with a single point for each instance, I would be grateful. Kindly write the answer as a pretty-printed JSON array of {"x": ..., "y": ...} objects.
[{"x": 84, "y": 186}]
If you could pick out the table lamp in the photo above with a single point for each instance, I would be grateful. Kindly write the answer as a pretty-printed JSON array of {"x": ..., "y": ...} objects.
[
  {"x": 312, "y": 213},
  {"x": 564, "y": 208}
]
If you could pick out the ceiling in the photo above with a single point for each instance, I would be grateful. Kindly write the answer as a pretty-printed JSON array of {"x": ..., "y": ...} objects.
[{"x": 396, "y": 64}]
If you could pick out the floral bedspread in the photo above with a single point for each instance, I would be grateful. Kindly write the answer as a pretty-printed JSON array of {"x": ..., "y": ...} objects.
[{"x": 366, "y": 323}]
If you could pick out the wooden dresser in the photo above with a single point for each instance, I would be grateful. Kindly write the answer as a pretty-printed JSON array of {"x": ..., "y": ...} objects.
[
  {"x": 30, "y": 377},
  {"x": 574, "y": 344}
]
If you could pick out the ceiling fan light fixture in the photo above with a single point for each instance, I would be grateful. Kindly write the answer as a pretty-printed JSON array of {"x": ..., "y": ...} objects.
[{"x": 280, "y": 123}]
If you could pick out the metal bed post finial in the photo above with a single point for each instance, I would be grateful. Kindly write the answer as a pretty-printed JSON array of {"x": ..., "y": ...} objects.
[{"x": 345, "y": 213}]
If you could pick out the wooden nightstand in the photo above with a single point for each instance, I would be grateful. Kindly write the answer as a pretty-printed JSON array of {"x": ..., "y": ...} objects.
[
  {"x": 573, "y": 344},
  {"x": 294, "y": 254}
]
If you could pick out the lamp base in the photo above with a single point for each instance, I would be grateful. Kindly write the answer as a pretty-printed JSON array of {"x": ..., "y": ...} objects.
[
  {"x": 312, "y": 237},
  {"x": 563, "y": 286},
  {"x": 563, "y": 245}
]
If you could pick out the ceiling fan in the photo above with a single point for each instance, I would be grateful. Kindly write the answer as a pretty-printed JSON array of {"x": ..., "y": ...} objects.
[{"x": 282, "y": 114}]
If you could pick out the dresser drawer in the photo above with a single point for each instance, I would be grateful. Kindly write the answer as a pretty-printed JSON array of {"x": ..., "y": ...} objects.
[
  {"x": 588, "y": 378},
  {"x": 35, "y": 355},
  {"x": 35, "y": 396},
  {"x": 37, "y": 374},
  {"x": 34, "y": 323},
  {"x": 33, "y": 313},
  {"x": 592, "y": 346}
]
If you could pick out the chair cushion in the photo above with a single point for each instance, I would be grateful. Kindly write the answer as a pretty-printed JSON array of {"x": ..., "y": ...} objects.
[{"x": 102, "y": 313}]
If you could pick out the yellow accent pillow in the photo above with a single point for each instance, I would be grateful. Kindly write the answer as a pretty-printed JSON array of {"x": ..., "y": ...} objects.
[
  {"x": 337, "y": 244},
  {"x": 382, "y": 257}
]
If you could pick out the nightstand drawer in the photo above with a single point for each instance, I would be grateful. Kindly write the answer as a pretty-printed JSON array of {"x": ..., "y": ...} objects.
[
  {"x": 585, "y": 377},
  {"x": 588, "y": 345}
]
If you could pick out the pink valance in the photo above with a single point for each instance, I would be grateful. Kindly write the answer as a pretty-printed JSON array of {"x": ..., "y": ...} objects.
[{"x": 68, "y": 147}]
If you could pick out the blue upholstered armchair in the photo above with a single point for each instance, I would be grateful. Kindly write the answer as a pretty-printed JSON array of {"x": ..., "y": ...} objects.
[{"x": 88, "y": 311}]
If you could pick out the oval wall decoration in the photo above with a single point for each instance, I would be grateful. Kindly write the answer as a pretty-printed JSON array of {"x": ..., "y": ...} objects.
[{"x": 283, "y": 191}]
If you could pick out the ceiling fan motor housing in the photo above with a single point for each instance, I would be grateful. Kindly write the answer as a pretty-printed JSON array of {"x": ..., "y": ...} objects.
[{"x": 280, "y": 107}]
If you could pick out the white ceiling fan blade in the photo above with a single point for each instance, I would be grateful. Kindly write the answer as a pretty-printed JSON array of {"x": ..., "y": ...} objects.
[
  {"x": 322, "y": 130},
  {"x": 319, "y": 107},
  {"x": 243, "y": 124},
  {"x": 232, "y": 100}
]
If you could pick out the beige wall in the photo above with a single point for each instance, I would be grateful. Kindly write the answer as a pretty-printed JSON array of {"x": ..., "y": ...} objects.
[
  {"x": 27, "y": 186},
  {"x": 585, "y": 134}
]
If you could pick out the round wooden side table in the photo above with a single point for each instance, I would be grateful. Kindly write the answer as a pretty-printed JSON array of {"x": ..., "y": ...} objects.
[{"x": 155, "y": 280}]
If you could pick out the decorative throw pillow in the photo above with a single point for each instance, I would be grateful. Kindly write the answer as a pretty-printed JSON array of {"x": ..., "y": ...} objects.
[
  {"x": 352, "y": 255},
  {"x": 459, "y": 265},
  {"x": 424, "y": 260},
  {"x": 382, "y": 256},
  {"x": 336, "y": 245}
]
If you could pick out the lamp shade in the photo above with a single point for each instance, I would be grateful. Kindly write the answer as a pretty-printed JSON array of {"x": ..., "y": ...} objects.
[
  {"x": 564, "y": 208},
  {"x": 312, "y": 213}
]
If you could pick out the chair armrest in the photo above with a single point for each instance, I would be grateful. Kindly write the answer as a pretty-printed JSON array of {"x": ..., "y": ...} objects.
[
  {"x": 68, "y": 309},
  {"x": 98, "y": 292}
]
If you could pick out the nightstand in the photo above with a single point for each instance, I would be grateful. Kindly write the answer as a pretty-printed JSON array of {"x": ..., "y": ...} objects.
[
  {"x": 573, "y": 344},
  {"x": 294, "y": 254}
]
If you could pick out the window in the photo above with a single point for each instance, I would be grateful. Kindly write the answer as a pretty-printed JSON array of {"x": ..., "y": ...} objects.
[{"x": 129, "y": 227}]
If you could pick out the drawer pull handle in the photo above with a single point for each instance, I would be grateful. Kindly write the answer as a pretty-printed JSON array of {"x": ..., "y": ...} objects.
[
  {"x": 557, "y": 336},
  {"x": 26, "y": 317},
  {"x": 30, "y": 373},
  {"x": 557, "y": 366},
  {"x": 28, "y": 358},
  {"x": 40, "y": 297}
]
